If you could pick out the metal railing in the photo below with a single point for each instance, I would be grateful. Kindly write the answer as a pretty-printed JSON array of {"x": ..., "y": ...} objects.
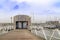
[
  {"x": 5, "y": 29},
  {"x": 48, "y": 34}
]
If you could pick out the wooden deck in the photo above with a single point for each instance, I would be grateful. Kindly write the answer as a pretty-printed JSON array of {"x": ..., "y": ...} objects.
[{"x": 21, "y": 34}]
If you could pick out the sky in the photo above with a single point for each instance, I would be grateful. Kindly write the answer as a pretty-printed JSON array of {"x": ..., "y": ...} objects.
[{"x": 38, "y": 10}]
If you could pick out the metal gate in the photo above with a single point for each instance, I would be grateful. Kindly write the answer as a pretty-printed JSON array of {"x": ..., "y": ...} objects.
[
  {"x": 21, "y": 25},
  {"x": 24, "y": 24},
  {"x": 18, "y": 25}
]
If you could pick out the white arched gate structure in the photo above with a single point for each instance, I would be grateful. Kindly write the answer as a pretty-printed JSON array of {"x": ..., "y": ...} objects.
[{"x": 22, "y": 21}]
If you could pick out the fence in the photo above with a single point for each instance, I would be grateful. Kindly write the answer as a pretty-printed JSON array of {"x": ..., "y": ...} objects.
[
  {"x": 5, "y": 29},
  {"x": 48, "y": 34}
]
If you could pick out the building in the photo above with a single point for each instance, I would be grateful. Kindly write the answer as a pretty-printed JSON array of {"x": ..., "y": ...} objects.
[{"x": 22, "y": 21}]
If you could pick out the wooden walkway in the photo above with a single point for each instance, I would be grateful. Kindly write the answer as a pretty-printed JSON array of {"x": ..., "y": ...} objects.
[{"x": 22, "y": 34}]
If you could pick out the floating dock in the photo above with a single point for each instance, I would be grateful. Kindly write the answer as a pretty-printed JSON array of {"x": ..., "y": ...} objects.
[{"x": 20, "y": 34}]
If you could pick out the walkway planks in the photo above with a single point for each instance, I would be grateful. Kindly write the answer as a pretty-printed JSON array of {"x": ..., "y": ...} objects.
[{"x": 21, "y": 34}]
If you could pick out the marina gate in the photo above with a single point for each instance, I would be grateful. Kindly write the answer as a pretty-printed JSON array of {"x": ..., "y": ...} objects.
[{"x": 22, "y": 21}]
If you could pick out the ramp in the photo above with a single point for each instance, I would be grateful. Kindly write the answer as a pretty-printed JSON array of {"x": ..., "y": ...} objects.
[{"x": 22, "y": 34}]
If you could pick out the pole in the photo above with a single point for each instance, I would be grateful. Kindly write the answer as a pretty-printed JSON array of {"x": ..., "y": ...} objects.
[
  {"x": 33, "y": 17},
  {"x": 11, "y": 21}
]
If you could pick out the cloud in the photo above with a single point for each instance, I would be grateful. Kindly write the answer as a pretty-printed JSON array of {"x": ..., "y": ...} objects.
[
  {"x": 34, "y": 1},
  {"x": 26, "y": 5},
  {"x": 8, "y": 5},
  {"x": 38, "y": 7}
]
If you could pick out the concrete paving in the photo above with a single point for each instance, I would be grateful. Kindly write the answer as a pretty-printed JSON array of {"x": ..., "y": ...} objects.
[{"x": 22, "y": 34}]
